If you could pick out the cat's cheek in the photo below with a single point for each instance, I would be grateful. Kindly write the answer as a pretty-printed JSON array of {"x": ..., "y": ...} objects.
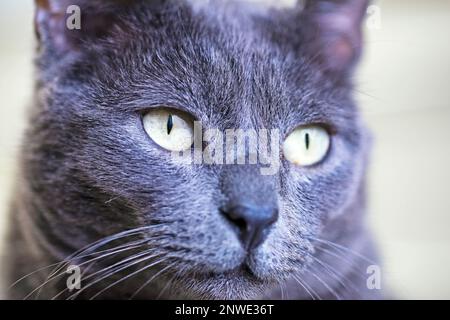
[
  {"x": 341, "y": 183},
  {"x": 323, "y": 191}
]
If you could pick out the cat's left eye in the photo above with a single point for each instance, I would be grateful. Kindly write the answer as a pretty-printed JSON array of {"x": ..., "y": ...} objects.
[
  {"x": 172, "y": 130},
  {"x": 307, "y": 145}
]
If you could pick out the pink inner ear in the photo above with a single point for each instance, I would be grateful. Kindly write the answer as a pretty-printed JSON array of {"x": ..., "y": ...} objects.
[
  {"x": 340, "y": 32},
  {"x": 52, "y": 23},
  {"x": 97, "y": 21},
  {"x": 339, "y": 53},
  {"x": 50, "y": 20},
  {"x": 340, "y": 40}
]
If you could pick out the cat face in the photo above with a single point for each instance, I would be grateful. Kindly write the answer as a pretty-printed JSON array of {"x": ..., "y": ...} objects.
[{"x": 217, "y": 230}]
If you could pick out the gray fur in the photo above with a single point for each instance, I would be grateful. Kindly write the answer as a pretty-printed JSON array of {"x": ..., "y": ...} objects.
[{"x": 90, "y": 171}]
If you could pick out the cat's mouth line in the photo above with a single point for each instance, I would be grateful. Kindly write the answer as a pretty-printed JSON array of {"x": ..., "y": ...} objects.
[{"x": 241, "y": 272}]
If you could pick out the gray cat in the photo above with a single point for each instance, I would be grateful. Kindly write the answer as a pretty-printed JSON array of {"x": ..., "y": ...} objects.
[{"x": 103, "y": 210}]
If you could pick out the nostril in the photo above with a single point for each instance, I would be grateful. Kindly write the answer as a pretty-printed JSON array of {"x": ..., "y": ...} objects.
[
  {"x": 240, "y": 223},
  {"x": 251, "y": 223}
]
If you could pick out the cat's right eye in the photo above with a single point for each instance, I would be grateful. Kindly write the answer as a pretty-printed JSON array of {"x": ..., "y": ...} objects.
[
  {"x": 172, "y": 130},
  {"x": 307, "y": 145}
]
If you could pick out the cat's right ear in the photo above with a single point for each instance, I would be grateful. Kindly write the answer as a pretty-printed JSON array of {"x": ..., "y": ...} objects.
[{"x": 64, "y": 26}]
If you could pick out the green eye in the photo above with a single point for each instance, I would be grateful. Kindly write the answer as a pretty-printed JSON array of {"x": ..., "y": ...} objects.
[
  {"x": 307, "y": 145},
  {"x": 170, "y": 129}
]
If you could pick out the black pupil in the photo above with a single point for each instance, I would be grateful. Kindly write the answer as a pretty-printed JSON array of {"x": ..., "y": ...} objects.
[
  {"x": 169, "y": 124},
  {"x": 307, "y": 140}
]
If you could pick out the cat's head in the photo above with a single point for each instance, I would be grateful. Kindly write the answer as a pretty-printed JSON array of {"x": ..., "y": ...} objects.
[{"x": 100, "y": 155}]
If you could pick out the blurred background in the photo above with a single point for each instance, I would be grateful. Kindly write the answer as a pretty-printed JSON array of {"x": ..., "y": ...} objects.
[{"x": 404, "y": 91}]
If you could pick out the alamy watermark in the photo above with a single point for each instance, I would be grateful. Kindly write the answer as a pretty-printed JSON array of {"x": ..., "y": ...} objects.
[
  {"x": 73, "y": 281},
  {"x": 73, "y": 21},
  {"x": 373, "y": 15},
  {"x": 373, "y": 21},
  {"x": 234, "y": 146},
  {"x": 373, "y": 281}
]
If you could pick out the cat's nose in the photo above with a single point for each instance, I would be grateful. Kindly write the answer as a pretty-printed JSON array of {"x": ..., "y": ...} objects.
[{"x": 251, "y": 223}]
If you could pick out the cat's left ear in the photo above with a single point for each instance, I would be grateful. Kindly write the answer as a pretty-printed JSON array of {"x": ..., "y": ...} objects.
[
  {"x": 337, "y": 30},
  {"x": 65, "y": 26}
]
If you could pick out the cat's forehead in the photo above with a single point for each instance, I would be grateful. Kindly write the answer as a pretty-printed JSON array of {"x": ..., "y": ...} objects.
[
  {"x": 214, "y": 61},
  {"x": 250, "y": 81},
  {"x": 250, "y": 5},
  {"x": 220, "y": 66}
]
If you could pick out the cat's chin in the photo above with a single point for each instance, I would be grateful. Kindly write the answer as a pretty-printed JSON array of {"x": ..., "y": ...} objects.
[{"x": 236, "y": 284}]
